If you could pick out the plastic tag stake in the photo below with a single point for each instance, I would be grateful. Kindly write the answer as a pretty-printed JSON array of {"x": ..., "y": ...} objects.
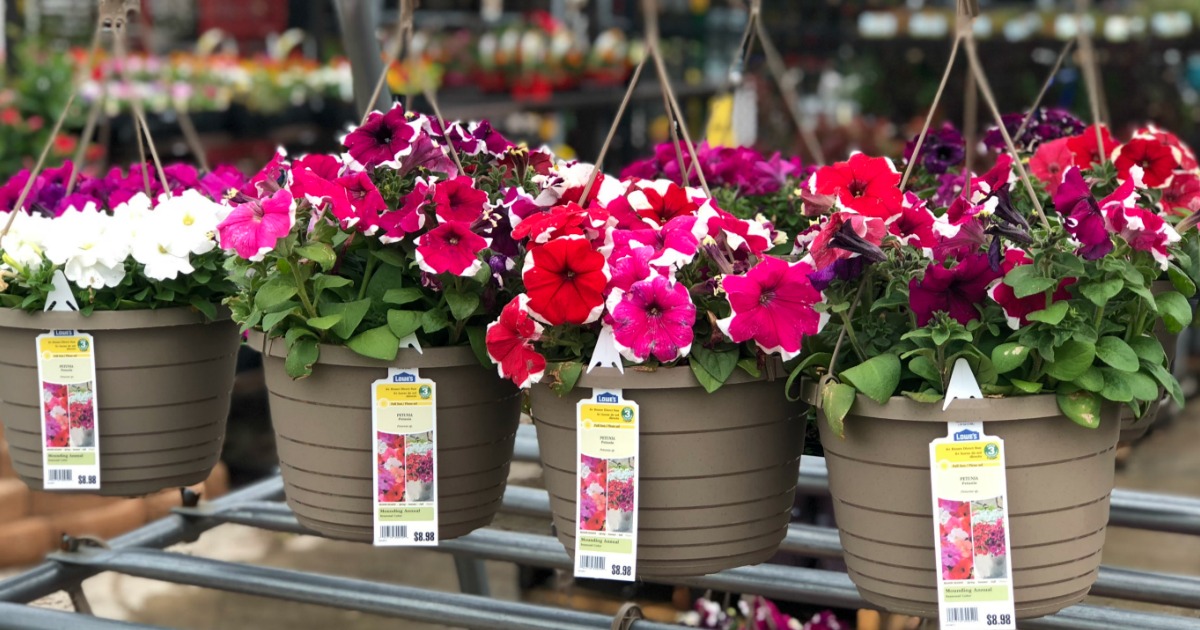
[
  {"x": 404, "y": 430},
  {"x": 607, "y": 523}
]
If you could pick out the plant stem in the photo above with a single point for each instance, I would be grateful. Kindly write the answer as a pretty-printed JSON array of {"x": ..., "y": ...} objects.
[
  {"x": 301, "y": 291},
  {"x": 371, "y": 262},
  {"x": 862, "y": 356}
]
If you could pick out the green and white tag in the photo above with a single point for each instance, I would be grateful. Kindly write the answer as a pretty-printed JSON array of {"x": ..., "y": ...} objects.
[
  {"x": 607, "y": 500},
  {"x": 404, "y": 430},
  {"x": 971, "y": 526},
  {"x": 66, "y": 361}
]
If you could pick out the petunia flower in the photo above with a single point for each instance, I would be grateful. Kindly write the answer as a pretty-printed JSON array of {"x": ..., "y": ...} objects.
[
  {"x": 457, "y": 199},
  {"x": 942, "y": 149},
  {"x": 1083, "y": 146},
  {"x": 737, "y": 233},
  {"x": 510, "y": 342},
  {"x": 1017, "y": 310},
  {"x": 847, "y": 235},
  {"x": 565, "y": 279},
  {"x": 218, "y": 182},
  {"x": 1081, "y": 216},
  {"x": 1182, "y": 196},
  {"x": 1157, "y": 160},
  {"x": 1187, "y": 157},
  {"x": 451, "y": 248},
  {"x": 83, "y": 242},
  {"x": 675, "y": 245},
  {"x": 915, "y": 224},
  {"x": 1048, "y": 164},
  {"x": 654, "y": 318},
  {"x": 569, "y": 219},
  {"x": 253, "y": 228},
  {"x": 1144, "y": 230},
  {"x": 772, "y": 305},
  {"x": 867, "y": 185},
  {"x": 958, "y": 291},
  {"x": 409, "y": 217},
  {"x": 365, "y": 203},
  {"x": 660, "y": 201},
  {"x": 381, "y": 139},
  {"x": 631, "y": 267}
]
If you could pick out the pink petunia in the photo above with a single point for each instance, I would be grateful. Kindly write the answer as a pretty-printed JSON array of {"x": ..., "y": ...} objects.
[
  {"x": 1048, "y": 164},
  {"x": 457, "y": 199},
  {"x": 653, "y": 319},
  {"x": 737, "y": 233},
  {"x": 631, "y": 267},
  {"x": 409, "y": 217},
  {"x": 510, "y": 342},
  {"x": 366, "y": 204},
  {"x": 1144, "y": 230},
  {"x": 451, "y": 248},
  {"x": 773, "y": 306},
  {"x": 253, "y": 228},
  {"x": 915, "y": 225}
]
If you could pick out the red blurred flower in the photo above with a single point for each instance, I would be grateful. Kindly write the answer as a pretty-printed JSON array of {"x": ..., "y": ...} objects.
[
  {"x": 1083, "y": 146},
  {"x": 1050, "y": 161},
  {"x": 1182, "y": 197},
  {"x": 1157, "y": 160},
  {"x": 565, "y": 279}
]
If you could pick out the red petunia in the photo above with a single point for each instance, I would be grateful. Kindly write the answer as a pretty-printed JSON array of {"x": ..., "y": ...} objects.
[
  {"x": 1017, "y": 310},
  {"x": 1182, "y": 197},
  {"x": 660, "y": 201},
  {"x": 1083, "y": 146},
  {"x": 915, "y": 225},
  {"x": 1157, "y": 160},
  {"x": 565, "y": 279},
  {"x": 867, "y": 185},
  {"x": 560, "y": 221},
  {"x": 510, "y": 342},
  {"x": 847, "y": 235},
  {"x": 1051, "y": 160}
]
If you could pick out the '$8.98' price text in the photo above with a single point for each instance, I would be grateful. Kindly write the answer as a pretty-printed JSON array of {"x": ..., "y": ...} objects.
[
  {"x": 999, "y": 620},
  {"x": 622, "y": 569},
  {"x": 424, "y": 536}
]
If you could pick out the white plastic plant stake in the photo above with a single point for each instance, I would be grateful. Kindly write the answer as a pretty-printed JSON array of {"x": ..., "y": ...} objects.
[
  {"x": 61, "y": 298},
  {"x": 411, "y": 342},
  {"x": 963, "y": 384},
  {"x": 606, "y": 353}
]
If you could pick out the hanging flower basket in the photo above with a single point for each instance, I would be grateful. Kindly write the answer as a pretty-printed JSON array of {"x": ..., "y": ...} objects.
[
  {"x": 323, "y": 433},
  {"x": 163, "y": 383}
]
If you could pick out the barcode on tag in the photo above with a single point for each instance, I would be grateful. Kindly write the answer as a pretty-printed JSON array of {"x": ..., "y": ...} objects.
[
  {"x": 591, "y": 562},
  {"x": 956, "y": 614},
  {"x": 60, "y": 474},
  {"x": 393, "y": 531}
]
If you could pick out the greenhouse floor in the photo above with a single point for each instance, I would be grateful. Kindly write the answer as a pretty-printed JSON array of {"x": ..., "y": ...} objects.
[{"x": 1163, "y": 462}]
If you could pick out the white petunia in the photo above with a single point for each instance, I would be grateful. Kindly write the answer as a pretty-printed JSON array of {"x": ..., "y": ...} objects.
[
  {"x": 25, "y": 242},
  {"x": 90, "y": 247},
  {"x": 192, "y": 217}
]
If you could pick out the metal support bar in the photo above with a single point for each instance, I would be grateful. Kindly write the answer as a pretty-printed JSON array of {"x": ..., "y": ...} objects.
[
  {"x": 472, "y": 575},
  {"x": 30, "y": 618},
  {"x": 1128, "y": 508},
  {"x": 392, "y": 600}
]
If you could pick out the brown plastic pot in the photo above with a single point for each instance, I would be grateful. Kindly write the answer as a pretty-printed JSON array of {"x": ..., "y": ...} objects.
[
  {"x": 1060, "y": 476},
  {"x": 1134, "y": 428},
  {"x": 323, "y": 433},
  {"x": 717, "y": 472},
  {"x": 163, "y": 380}
]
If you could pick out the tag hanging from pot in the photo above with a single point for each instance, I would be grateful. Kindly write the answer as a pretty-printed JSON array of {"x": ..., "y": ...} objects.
[
  {"x": 66, "y": 362},
  {"x": 404, "y": 467},
  {"x": 607, "y": 497}
]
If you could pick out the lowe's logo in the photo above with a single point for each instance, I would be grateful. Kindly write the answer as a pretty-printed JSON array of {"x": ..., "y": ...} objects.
[
  {"x": 404, "y": 377},
  {"x": 610, "y": 399},
  {"x": 966, "y": 435}
]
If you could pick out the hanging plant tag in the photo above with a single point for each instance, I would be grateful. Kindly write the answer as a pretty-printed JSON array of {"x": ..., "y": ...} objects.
[
  {"x": 66, "y": 361},
  {"x": 970, "y": 528},
  {"x": 404, "y": 470},
  {"x": 606, "y": 525}
]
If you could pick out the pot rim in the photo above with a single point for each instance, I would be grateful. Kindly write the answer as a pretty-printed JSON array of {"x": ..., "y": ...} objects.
[
  {"x": 444, "y": 357},
  {"x": 679, "y": 377},
  {"x": 107, "y": 320},
  {"x": 995, "y": 409}
]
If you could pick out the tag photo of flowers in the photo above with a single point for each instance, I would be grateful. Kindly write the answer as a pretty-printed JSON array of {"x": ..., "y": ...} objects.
[
  {"x": 390, "y": 457},
  {"x": 593, "y": 493},
  {"x": 55, "y": 415},
  {"x": 418, "y": 461},
  {"x": 620, "y": 495},
  {"x": 81, "y": 401},
  {"x": 954, "y": 526},
  {"x": 987, "y": 531}
]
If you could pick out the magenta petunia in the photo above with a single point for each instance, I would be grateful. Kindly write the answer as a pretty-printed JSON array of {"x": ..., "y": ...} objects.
[
  {"x": 457, "y": 199},
  {"x": 451, "y": 248},
  {"x": 1082, "y": 216},
  {"x": 631, "y": 267},
  {"x": 773, "y": 307},
  {"x": 653, "y": 319},
  {"x": 253, "y": 228},
  {"x": 409, "y": 217},
  {"x": 958, "y": 291},
  {"x": 381, "y": 139},
  {"x": 366, "y": 204}
]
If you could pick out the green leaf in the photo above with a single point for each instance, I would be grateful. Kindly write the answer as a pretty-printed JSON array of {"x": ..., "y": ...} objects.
[
  {"x": 204, "y": 306},
  {"x": 1175, "y": 311},
  {"x": 1080, "y": 406},
  {"x": 750, "y": 366},
  {"x": 877, "y": 377},
  {"x": 1026, "y": 281},
  {"x": 924, "y": 368},
  {"x": 1092, "y": 379},
  {"x": 403, "y": 323},
  {"x": 1143, "y": 386},
  {"x": 270, "y": 320},
  {"x": 1148, "y": 349},
  {"x": 1167, "y": 380},
  {"x": 568, "y": 373},
  {"x": 836, "y": 401},
  {"x": 1116, "y": 385},
  {"x": 384, "y": 279},
  {"x": 462, "y": 305},
  {"x": 1072, "y": 359},
  {"x": 301, "y": 356},
  {"x": 1181, "y": 281},
  {"x": 1100, "y": 292},
  {"x": 433, "y": 321},
  {"x": 1026, "y": 387},
  {"x": 1009, "y": 356},
  {"x": 320, "y": 253},
  {"x": 376, "y": 343},
  {"x": 324, "y": 282},
  {"x": 477, "y": 335},
  {"x": 400, "y": 297},
  {"x": 711, "y": 368},
  {"x": 389, "y": 256},
  {"x": 1053, "y": 315},
  {"x": 1115, "y": 352},
  {"x": 273, "y": 293},
  {"x": 927, "y": 396},
  {"x": 817, "y": 359},
  {"x": 352, "y": 315},
  {"x": 326, "y": 322}
]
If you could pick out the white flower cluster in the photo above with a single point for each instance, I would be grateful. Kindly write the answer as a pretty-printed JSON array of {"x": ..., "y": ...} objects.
[{"x": 93, "y": 246}]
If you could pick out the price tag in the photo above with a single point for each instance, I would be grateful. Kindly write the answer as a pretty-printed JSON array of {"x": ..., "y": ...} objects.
[
  {"x": 404, "y": 428},
  {"x": 970, "y": 508},
  {"x": 70, "y": 422},
  {"x": 606, "y": 525}
]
